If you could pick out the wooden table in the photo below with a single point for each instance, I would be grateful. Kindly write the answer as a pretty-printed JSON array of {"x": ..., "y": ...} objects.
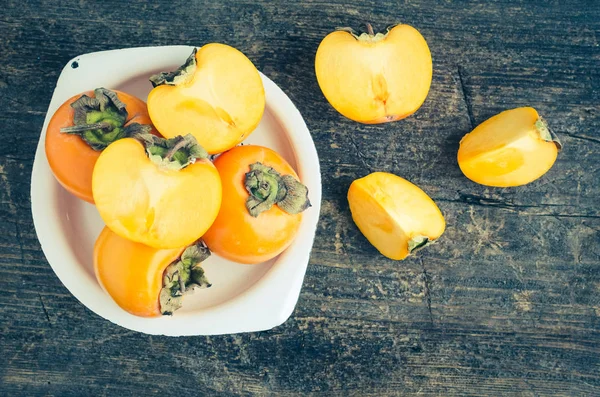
[{"x": 506, "y": 303}]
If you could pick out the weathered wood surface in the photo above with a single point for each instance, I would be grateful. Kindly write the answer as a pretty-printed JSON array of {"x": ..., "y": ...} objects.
[{"x": 507, "y": 303}]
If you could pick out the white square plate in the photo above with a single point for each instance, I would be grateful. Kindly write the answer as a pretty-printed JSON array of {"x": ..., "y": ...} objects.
[{"x": 242, "y": 298}]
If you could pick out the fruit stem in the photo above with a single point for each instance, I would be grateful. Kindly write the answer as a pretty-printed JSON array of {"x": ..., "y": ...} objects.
[
  {"x": 181, "y": 142},
  {"x": 172, "y": 154},
  {"x": 370, "y": 29},
  {"x": 101, "y": 120},
  {"x": 87, "y": 127},
  {"x": 268, "y": 187},
  {"x": 183, "y": 276}
]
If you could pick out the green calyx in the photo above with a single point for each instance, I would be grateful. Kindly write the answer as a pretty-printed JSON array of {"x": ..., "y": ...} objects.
[
  {"x": 546, "y": 133},
  {"x": 183, "y": 277},
  {"x": 179, "y": 76},
  {"x": 268, "y": 187},
  {"x": 418, "y": 242},
  {"x": 369, "y": 36},
  {"x": 100, "y": 121},
  {"x": 172, "y": 154}
]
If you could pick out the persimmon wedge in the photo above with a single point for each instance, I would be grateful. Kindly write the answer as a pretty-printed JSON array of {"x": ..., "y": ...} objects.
[
  {"x": 512, "y": 148},
  {"x": 262, "y": 205},
  {"x": 396, "y": 216},
  {"x": 146, "y": 281},
  {"x": 82, "y": 127},
  {"x": 374, "y": 77},
  {"x": 159, "y": 192},
  {"x": 217, "y": 95}
]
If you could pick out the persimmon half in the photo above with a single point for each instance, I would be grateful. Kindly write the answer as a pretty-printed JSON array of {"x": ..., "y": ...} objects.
[
  {"x": 164, "y": 193},
  {"x": 512, "y": 148},
  {"x": 396, "y": 216},
  {"x": 147, "y": 281},
  {"x": 262, "y": 205},
  {"x": 217, "y": 95},
  {"x": 85, "y": 125},
  {"x": 374, "y": 78}
]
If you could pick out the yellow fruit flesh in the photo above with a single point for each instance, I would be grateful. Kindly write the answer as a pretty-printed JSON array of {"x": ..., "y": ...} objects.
[
  {"x": 390, "y": 212},
  {"x": 375, "y": 81},
  {"x": 159, "y": 208},
  {"x": 507, "y": 150},
  {"x": 221, "y": 105}
]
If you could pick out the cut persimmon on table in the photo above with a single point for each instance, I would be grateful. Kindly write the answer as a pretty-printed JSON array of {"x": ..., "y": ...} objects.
[
  {"x": 512, "y": 148},
  {"x": 159, "y": 192},
  {"x": 146, "y": 281},
  {"x": 396, "y": 216},
  {"x": 85, "y": 125},
  {"x": 374, "y": 77},
  {"x": 217, "y": 95},
  {"x": 262, "y": 206}
]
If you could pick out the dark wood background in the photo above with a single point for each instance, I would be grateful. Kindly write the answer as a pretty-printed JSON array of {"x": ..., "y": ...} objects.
[{"x": 508, "y": 301}]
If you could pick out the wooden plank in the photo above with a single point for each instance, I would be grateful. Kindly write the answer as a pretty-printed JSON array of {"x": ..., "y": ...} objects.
[{"x": 506, "y": 303}]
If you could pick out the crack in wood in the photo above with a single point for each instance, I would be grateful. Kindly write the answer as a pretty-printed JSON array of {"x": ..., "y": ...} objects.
[
  {"x": 582, "y": 137},
  {"x": 44, "y": 309},
  {"x": 427, "y": 283},
  {"x": 472, "y": 199},
  {"x": 360, "y": 154},
  {"x": 463, "y": 89}
]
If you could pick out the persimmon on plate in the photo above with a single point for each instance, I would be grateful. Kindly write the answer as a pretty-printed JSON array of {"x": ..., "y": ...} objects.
[{"x": 242, "y": 298}]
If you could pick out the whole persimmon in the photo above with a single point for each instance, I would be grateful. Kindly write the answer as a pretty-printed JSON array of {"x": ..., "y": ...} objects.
[
  {"x": 262, "y": 205},
  {"x": 374, "y": 78},
  {"x": 512, "y": 148},
  {"x": 146, "y": 281},
  {"x": 85, "y": 125},
  {"x": 164, "y": 193},
  {"x": 217, "y": 95}
]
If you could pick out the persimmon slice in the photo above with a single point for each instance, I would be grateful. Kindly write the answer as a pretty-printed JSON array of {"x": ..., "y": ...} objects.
[{"x": 217, "y": 95}]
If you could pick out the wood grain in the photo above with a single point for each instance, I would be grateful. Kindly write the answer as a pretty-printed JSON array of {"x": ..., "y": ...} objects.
[{"x": 506, "y": 303}]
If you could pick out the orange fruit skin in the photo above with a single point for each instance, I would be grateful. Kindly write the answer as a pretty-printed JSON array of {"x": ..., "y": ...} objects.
[
  {"x": 131, "y": 273},
  {"x": 375, "y": 79},
  {"x": 235, "y": 234},
  {"x": 72, "y": 160}
]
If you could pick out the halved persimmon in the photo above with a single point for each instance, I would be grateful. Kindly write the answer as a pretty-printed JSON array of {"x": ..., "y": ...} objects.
[
  {"x": 512, "y": 148},
  {"x": 217, "y": 95},
  {"x": 147, "y": 281},
  {"x": 159, "y": 192},
  {"x": 374, "y": 77},
  {"x": 262, "y": 203},
  {"x": 85, "y": 125},
  {"x": 396, "y": 216}
]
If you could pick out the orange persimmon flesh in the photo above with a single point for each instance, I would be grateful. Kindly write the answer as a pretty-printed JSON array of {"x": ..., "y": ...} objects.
[
  {"x": 70, "y": 158},
  {"x": 157, "y": 207},
  {"x": 512, "y": 148},
  {"x": 395, "y": 215},
  {"x": 236, "y": 235},
  {"x": 375, "y": 78},
  {"x": 220, "y": 103},
  {"x": 132, "y": 273}
]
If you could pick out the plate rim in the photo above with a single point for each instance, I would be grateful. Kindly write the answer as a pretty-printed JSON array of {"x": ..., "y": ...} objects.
[{"x": 300, "y": 141}]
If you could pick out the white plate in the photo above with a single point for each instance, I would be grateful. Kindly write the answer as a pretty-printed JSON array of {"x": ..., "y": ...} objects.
[{"x": 242, "y": 298}]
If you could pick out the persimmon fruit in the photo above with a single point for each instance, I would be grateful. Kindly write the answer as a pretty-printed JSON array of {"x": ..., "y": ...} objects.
[
  {"x": 512, "y": 148},
  {"x": 85, "y": 125},
  {"x": 159, "y": 192},
  {"x": 146, "y": 281},
  {"x": 262, "y": 205},
  {"x": 374, "y": 78},
  {"x": 396, "y": 216},
  {"x": 217, "y": 95}
]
